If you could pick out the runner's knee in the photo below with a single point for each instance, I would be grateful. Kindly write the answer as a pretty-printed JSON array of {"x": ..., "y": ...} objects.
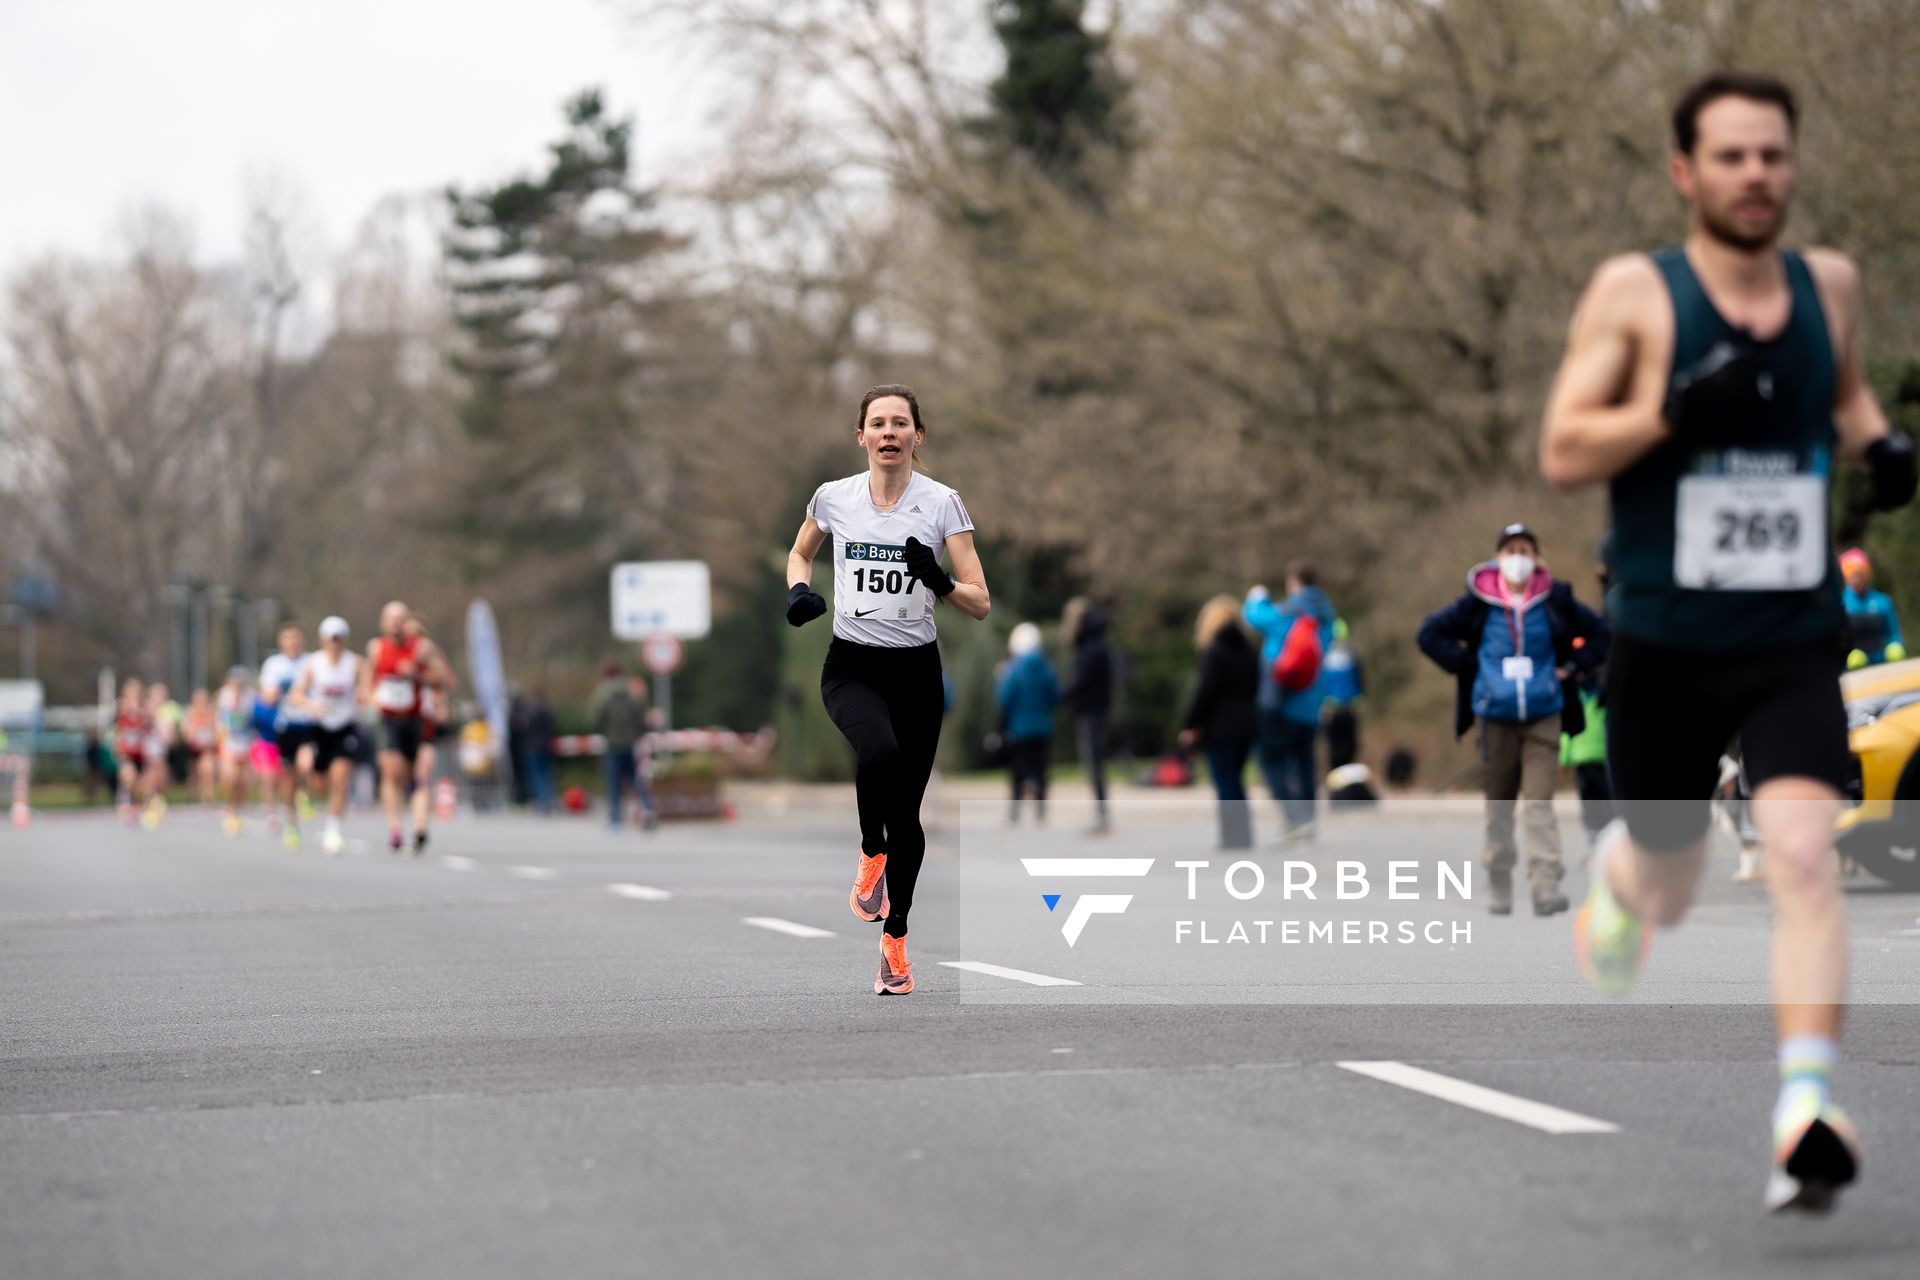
[
  {"x": 877, "y": 751},
  {"x": 1800, "y": 865}
]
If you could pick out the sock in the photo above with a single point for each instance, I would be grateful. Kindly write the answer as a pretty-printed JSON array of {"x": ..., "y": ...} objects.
[
  {"x": 333, "y": 825},
  {"x": 1606, "y": 847},
  {"x": 1806, "y": 1078}
]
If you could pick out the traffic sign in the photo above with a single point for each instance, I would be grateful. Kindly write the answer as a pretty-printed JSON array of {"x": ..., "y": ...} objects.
[
  {"x": 662, "y": 654},
  {"x": 21, "y": 702},
  {"x": 670, "y": 596}
]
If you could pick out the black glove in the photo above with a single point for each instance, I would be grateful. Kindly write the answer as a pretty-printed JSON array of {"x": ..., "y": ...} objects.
[
  {"x": 1890, "y": 463},
  {"x": 1721, "y": 397},
  {"x": 924, "y": 565},
  {"x": 804, "y": 604}
]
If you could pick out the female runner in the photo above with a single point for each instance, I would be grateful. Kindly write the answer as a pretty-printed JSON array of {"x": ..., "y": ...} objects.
[{"x": 881, "y": 682}]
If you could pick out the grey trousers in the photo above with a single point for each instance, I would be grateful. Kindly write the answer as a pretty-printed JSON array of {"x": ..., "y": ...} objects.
[{"x": 1523, "y": 762}]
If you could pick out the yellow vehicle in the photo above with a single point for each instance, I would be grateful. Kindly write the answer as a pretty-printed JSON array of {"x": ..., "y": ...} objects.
[{"x": 1881, "y": 828}]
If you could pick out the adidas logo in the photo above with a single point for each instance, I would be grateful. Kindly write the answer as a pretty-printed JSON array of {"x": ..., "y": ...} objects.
[{"x": 914, "y": 511}]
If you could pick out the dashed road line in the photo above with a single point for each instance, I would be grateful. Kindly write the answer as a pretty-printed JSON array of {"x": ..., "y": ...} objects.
[
  {"x": 788, "y": 927},
  {"x": 1535, "y": 1115},
  {"x": 640, "y": 892},
  {"x": 1001, "y": 971},
  {"x": 454, "y": 862}
]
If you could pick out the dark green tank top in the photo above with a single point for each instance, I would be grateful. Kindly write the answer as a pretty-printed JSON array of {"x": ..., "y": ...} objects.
[{"x": 1729, "y": 549}]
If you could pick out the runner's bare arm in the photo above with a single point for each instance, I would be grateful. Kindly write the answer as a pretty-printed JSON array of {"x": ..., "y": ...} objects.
[
  {"x": 969, "y": 594},
  {"x": 363, "y": 690},
  {"x": 435, "y": 671},
  {"x": 1857, "y": 416},
  {"x": 297, "y": 696},
  {"x": 806, "y": 545},
  {"x": 1597, "y": 422}
]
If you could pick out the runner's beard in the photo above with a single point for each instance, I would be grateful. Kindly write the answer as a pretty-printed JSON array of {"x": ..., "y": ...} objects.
[{"x": 1726, "y": 232}]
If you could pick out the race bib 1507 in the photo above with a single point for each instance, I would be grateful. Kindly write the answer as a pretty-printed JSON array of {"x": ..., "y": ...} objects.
[
  {"x": 878, "y": 585},
  {"x": 1737, "y": 533}
]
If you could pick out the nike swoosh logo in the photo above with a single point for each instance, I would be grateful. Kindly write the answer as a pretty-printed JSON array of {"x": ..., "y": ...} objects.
[{"x": 861, "y": 613}]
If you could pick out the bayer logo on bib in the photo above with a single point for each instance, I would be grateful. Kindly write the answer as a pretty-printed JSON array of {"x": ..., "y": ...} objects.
[
  {"x": 877, "y": 586},
  {"x": 1736, "y": 533}
]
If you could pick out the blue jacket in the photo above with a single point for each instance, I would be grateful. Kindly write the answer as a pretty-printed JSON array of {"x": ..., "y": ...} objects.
[
  {"x": 1472, "y": 638},
  {"x": 1872, "y": 624},
  {"x": 1341, "y": 673},
  {"x": 1273, "y": 621},
  {"x": 1028, "y": 692}
]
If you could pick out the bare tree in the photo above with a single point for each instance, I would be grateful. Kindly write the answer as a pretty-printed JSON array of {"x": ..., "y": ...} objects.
[{"x": 118, "y": 401}]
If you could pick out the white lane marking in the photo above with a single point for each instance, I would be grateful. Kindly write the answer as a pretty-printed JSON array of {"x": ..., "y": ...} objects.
[
  {"x": 1536, "y": 1115},
  {"x": 532, "y": 873},
  {"x": 787, "y": 927},
  {"x": 1016, "y": 975},
  {"x": 1044, "y": 867},
  {"x": 454, "y": 862},
  {"x": 640, "y": 892}
]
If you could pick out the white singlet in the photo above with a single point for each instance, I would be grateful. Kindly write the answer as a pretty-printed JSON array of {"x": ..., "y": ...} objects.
[
  {"x": 278, "y": 675},
  {"x": 330, "y": 687},
  {"x": 873, "y": 601}
]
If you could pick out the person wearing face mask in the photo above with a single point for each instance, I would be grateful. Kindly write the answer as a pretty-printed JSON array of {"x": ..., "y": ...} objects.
[{"x": 1513, "y": 642}]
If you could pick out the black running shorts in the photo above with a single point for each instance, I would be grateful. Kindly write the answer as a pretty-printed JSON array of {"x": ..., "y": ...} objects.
[
  {"x": 335, "y": 744},
  {"x": 290, "y": 738},
  {"x": 1671, "y": 714},
  {"x": 402, "y": 734}
]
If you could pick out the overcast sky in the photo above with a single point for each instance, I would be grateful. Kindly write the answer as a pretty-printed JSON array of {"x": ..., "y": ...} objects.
[{"x": 109, "y": 104}]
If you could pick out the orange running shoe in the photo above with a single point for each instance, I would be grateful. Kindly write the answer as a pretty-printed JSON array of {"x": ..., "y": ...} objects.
[
  {"x": 869, "y": 896},
  {"x": 896, "y": 975}
]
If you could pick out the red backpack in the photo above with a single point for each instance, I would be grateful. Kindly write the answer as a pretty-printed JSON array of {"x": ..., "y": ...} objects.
[{"x": 1298, "y": 665}]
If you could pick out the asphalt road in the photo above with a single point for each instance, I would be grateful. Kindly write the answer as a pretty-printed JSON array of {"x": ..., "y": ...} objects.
[{"x": 219, "y": 1059}]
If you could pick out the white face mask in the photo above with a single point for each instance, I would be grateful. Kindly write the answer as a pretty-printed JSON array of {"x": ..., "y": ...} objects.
[{"x": 1516, "y": 569}]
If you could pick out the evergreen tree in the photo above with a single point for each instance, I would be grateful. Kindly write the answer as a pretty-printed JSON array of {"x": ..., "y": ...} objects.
[
  {"x": 572, "y": 337},
  {"x": 1058, "y": 97}
]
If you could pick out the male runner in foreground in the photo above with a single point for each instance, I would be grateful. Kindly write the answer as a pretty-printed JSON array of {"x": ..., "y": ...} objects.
[{"x": 1712, "y": 386}]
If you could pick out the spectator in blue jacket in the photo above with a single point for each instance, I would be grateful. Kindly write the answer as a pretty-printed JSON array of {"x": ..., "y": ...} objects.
[
  {"x": 1290, "y": 719},
  {"x": 1028, "y": 692},
  {"x": 1872, "y": 625},
  {"x": 1513, "y": 642}
]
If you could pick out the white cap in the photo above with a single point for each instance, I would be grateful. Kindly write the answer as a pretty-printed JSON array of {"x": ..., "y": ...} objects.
[
  {"x": 1025, "y": 639},
  {"x": 332, "y": 626}
]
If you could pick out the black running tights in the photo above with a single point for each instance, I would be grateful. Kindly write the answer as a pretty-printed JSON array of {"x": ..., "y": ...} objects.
[{"x": 888, "y": 703}]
